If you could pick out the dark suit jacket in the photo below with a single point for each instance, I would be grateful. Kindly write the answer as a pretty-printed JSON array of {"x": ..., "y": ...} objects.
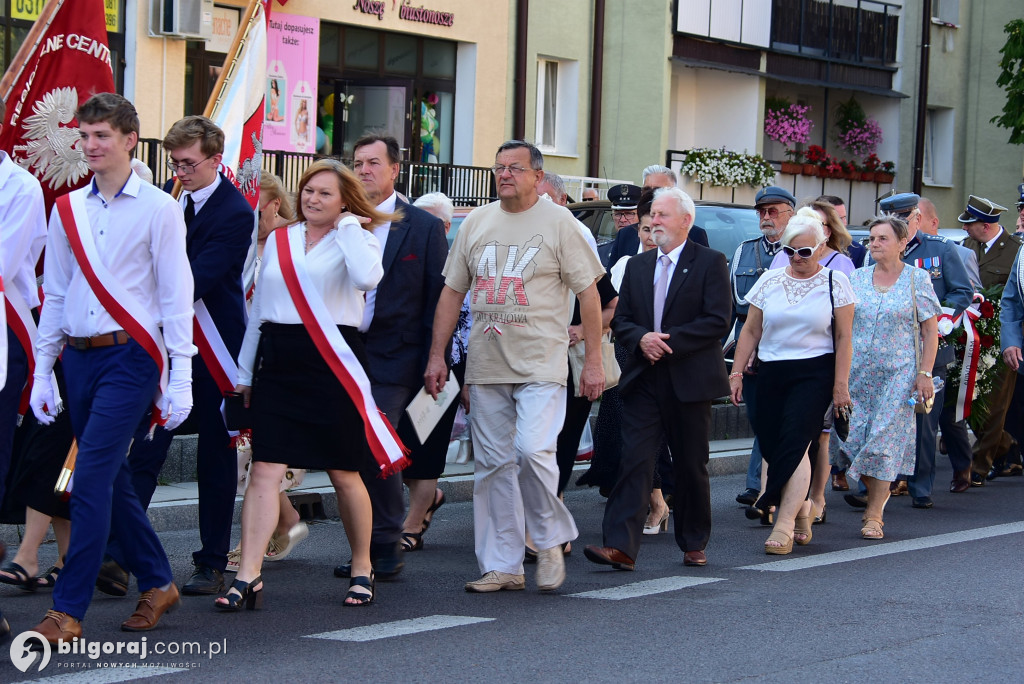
[
  {"x": 698, "y": 311},
  {"x": 627, "y": 242},
  {"x": 217, "y": 241},
  {"x": 398, "y": 341}
]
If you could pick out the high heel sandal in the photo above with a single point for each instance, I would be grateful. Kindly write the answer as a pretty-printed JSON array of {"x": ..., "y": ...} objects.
[
  {"x": 412, "y": 541},
  {"x": 19, "y": 577},
  {"x": 872, "y": 529},
  {"x": 49, "y": 578},
  {"x": 358, "y": 596},
  {"x": 784, "y": 540},
  {"x": 660, "y": 526},
  {"x": 819, "y": 516},
  {"x": 248, "y": 594},
  {"x": 433, "y": 509},
  {"x": 803, "y": 527}
]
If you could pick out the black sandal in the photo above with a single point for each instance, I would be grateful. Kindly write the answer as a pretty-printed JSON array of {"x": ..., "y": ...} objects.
[
  {"x": 49, "y": 578},
  {"x": 247, "y": 594},
  {"x": 433, "y": 508},
  {"x": 21, "y": 578},
  {"x": 358, "y": 596},
  {"x": 412, "y": 541}
]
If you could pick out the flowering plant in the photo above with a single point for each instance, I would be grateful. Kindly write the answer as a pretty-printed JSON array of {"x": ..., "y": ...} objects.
[
  {"x": 871, "y": 162},
  {"x": 815, "y": 153},
  {"x": 888, "y": 167},
  {"x": 795, "y": 155},
  {"x": 787, "y": 124},
  {"x": 832, "y": 166},
  {"x": 848, "y": 166},
  {"x": 726, "y": 168},
  {"x": 861, "y": 139},
  {"x": 983, "y": 316}
]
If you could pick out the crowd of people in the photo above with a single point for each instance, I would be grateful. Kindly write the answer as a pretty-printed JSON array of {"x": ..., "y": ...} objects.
[{"x": 271, "y": 338}]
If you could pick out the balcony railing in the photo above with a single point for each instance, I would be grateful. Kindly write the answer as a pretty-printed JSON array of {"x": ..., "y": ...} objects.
[
  {"x": 860, "y": 31},
  {"x": 465, "y": 185}
]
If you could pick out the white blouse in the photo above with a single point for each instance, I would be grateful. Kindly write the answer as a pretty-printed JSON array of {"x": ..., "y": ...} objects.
[
  {"x": 797, "y": 313},
  {"x": 342, "y": 266}
]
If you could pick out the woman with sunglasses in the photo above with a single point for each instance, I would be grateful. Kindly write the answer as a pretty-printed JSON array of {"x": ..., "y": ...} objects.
[
  {"x": 888, "y": 368},
  {"x": 799, "y": 323}
]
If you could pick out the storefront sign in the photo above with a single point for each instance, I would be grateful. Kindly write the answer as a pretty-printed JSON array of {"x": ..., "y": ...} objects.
[
  {"x": 290, "y": 118},
  {"x": 225, "y": 26},
  {"x": 425, "y": 16},
  {"x": 30, "y": 10},
  {"x": 370, "y": 7}
]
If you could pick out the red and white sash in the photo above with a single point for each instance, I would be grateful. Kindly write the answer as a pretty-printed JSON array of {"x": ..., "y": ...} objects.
[
  {"x": 119, "y": 303},
  {"x": 18, "y": 317},
  {"x": 389, "y": 451},
  {"x": 212, "y": 349}
]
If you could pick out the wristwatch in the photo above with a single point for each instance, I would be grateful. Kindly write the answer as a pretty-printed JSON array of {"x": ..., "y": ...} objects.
[{"x": 925, "y": 373}]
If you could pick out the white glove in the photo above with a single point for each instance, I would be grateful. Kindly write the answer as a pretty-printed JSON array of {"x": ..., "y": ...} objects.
[
  {"x": 44, "y": 400},
  {"x": 179, "y": 397}
]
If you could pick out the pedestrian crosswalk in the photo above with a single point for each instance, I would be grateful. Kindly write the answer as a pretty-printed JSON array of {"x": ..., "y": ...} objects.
[
  {"x": 400, "y": 628},
  {"x": 646, "y": 588}
]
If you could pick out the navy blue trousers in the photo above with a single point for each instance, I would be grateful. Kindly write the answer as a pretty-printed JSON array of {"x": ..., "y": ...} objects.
[
  {"x": 216, "y": 465},
  {"x": 109, "y": 390},
  {"x": 10, "y": 396}
]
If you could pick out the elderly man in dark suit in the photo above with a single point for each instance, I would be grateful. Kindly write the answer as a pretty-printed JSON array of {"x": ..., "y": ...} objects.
[
  {"x": 219, "y": 226},
  {"x": 674, "y": 309},
  {"x": 397, "y": 325}
]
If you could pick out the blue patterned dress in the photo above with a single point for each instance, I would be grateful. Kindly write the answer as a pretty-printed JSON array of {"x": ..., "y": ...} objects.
[{"x": 882, "y": 427}]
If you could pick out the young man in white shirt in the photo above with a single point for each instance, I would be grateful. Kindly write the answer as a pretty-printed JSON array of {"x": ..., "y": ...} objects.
[{"x": 115, "y": 261}]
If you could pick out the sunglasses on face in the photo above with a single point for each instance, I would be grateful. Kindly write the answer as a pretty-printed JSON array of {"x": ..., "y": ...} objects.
[
  {"x": 802, "y": 252},
  {"x": 771, "y": 212}
]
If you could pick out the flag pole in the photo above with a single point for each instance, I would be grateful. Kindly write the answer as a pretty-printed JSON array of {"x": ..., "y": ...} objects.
[
  {"x": 28, "y": 47},
  {"x": 233, "y": 54}
]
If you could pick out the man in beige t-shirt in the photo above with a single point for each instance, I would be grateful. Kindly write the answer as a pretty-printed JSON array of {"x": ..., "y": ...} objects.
[{"x": 522, "y": 261}]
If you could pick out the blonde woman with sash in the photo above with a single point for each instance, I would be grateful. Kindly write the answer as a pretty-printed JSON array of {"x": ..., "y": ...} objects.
[{"x": 301, "y": 371}]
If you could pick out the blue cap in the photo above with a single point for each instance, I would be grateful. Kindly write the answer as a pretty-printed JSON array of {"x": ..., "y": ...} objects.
[
  {"x": 903, "y": 203},
  {"x": 773, "y": 194},
  {"x": 981, "y": 209},
  {"x": 1020, "y": 192},
  {"x": 624, "y": 197}
]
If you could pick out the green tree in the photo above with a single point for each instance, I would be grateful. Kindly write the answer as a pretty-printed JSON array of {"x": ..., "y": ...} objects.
[{"x": 1011, "y": 78}]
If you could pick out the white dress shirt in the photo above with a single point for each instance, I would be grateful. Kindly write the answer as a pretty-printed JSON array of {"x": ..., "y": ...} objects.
[
  {"x": 381, "y": 233},
  {"x": 988, "y": 245},
  {"x": 140, "y": 236},
  {"x": 343, "y": 265},
  {"x": 673, "y": 257},
  {"x": 199, "y": 196},
  {"x": 22, "y": 228}
]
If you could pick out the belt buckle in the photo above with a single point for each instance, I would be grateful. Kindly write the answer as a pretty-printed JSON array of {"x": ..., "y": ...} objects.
[{"x": 79, "y": 343}]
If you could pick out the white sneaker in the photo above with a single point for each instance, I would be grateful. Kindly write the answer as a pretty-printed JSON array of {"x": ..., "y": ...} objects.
[
  {"x": 496, "y": 581},
  {"x": 550, "y": 568}
]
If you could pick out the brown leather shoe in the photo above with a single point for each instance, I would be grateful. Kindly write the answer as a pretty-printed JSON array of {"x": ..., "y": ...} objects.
[
  {"x": 961, "y": 481},
  {"x": 56, "y": 626},
  {"x": 695, "y": 558},
  {"x": 839, "y": 483},
  {"x": 152, "y": 604},
  {"x": 898, "y": 488},
  {"x": 606, "y": 555}
]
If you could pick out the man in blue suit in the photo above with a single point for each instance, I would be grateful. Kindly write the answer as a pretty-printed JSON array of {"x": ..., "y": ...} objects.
[
  {"x": 219, "y": 223},
  {"x": 397, "y": 324}
]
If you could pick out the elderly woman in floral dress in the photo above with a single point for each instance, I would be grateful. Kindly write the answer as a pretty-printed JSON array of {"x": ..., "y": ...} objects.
[{"x": 886, "y": 367}]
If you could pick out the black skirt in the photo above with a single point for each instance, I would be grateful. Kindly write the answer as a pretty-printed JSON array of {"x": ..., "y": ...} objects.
[{"x": 302, "y": 416}]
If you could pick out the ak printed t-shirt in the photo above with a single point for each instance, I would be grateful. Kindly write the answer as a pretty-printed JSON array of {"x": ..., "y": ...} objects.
[{"x": 521, "y": 271}]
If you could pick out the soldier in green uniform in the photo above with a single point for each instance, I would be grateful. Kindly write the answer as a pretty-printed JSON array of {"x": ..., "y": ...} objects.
[{"x": 996, "y": 250}]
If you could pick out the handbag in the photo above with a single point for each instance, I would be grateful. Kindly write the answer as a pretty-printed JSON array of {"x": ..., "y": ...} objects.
[
  {"x": 840, "y": 422},
  {"x": 236, "y": 415},
  {"x": 577, "y": 356},
  {"x": 921, "y": 406}
]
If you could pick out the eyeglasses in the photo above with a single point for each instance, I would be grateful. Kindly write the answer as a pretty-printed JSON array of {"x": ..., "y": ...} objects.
[
  {"x": 802, "y": 252},
  {"x": 187, "y": 169},
  {"x": 498, "y": 170},
  {"x": 618, "y": 215},
  {"x": 771, "y": 212}
]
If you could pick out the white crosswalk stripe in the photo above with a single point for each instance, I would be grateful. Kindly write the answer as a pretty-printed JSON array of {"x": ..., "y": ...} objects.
[
  {"x": 646, "y": 588},
  {"x": 386, "y": 630}
]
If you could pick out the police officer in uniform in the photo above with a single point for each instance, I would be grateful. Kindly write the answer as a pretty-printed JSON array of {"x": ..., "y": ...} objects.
[
  {"x": 624, "y": 199},
  {"x": 775, "y": 206},
  {"x": 996, "y": 250},
  {"x": 952, "y": 286}
]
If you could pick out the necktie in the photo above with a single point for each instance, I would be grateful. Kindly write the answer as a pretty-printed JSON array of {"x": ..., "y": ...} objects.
[
  {"x": 190, "y": 209},
  {"x": 660, "y": 290}
]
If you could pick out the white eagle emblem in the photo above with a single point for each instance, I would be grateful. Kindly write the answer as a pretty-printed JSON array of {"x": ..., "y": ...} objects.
[
  {"x": 248, "y": 178},
  {"x": 52, "y": 147}
]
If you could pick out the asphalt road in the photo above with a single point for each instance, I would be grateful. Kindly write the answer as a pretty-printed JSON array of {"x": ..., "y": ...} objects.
[{"x": 938, "y": 600}]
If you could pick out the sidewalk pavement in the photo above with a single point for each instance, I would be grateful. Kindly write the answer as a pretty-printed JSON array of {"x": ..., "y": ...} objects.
[{"x": 175, "y": 506}]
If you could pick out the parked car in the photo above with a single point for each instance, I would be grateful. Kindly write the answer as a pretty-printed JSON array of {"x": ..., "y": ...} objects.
[{"x": 727, "y": 225}]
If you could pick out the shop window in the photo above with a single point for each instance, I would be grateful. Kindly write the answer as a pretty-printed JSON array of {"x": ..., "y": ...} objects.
[
  {"x": 330, "y": 39},
  {"x": 400, "y": 54},
  {"x": 361, "y": 49},
  {"x": 439, "y": 59},
  {"x": 938, "y": 147},
  {"x": 557, "y": 98}
]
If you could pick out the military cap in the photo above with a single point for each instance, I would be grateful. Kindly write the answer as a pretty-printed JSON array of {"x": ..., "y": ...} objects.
[
  {"x": 624, "y": 197},
  {"x": 981, "y": 209},
  {"x": 1020, "y": 199},
  {"x": 773, "y": 194},
  {"x": 902, "y": 203}
]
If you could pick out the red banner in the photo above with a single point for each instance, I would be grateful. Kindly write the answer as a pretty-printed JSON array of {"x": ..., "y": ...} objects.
[{"x": 69, "y": 64}]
